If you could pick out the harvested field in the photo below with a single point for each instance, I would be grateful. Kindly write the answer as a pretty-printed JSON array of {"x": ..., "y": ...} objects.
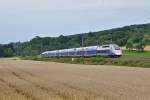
[
  {"x": 147, "y": 48},
  {"x": 35, "y": 80}
]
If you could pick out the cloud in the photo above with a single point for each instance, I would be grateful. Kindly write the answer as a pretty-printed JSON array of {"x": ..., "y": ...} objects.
[
  {"x": 23, "y": 19},
  {"x": 54, "y": 5}
]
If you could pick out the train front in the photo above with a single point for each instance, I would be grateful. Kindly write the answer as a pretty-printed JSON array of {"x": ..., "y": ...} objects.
[{"x": 116, "y": 51}]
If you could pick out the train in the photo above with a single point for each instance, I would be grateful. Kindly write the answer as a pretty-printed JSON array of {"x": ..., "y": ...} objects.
[{"x": 111, "y": 50}]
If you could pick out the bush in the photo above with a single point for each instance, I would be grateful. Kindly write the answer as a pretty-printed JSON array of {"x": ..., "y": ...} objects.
[{"x": 95, "y": 61}]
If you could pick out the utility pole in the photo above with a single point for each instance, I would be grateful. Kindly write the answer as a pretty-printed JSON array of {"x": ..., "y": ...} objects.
[
  {"x": 41, "y": 47},
  {"x": 82, "y": 41},
  {"x": 111, "y": 37},
  {"x": 83, "y": 44}
]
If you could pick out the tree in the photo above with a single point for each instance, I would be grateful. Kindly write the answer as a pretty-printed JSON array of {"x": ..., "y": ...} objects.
[
  {"x": 146, "y": 40},
  {"x": 1, "y": 51},
  {"x": 129, "y": 44},
  {"x": 137, "y": 41},
  {"x": 139, "y": 46}
]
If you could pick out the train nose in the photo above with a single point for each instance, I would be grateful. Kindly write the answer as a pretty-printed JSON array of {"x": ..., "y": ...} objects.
[{"x": 118, "y": 52}]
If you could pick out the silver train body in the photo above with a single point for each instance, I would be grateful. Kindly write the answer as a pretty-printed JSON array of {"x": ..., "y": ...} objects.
[{"x": 111, "y": 50}]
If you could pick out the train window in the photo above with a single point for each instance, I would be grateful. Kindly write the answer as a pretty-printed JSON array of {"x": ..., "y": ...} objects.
[
  {"x": 103, "y": 51},
  {"x": 106, "y": 46},
  {"x": 117, "y": 47}
]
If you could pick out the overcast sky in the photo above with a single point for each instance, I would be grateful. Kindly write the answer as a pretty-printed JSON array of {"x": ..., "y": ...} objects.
[{"x": 21, "y": 20}]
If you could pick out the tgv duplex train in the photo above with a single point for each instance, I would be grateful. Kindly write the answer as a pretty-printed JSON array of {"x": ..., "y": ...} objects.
[{"x": 111, "y": 50}]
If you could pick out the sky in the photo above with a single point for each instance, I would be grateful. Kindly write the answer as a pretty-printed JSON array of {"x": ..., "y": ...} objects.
[{"x": 22, "y": 20}]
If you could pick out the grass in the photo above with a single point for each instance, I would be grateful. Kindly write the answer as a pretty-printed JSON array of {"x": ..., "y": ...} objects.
[
  {"x": 130, "y": 58},
  {"x": 145, "y": 54}
]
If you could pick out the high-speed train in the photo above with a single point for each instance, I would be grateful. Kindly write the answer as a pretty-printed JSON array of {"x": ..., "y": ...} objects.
[{"x": 111, "y": 50}]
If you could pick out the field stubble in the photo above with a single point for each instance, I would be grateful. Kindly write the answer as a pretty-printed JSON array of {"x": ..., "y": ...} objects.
[{"x": 30, "y": 80}]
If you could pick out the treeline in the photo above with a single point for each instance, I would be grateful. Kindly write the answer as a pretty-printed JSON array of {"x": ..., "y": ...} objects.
[
  {"x": 6, "y": 50},
  {"x": 134, "y": 37}
]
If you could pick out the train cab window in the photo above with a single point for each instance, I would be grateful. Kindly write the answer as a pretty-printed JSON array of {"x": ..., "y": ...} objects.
[
  {"x": 106, "y": 46},
  {"x": 117, "y": 47}
]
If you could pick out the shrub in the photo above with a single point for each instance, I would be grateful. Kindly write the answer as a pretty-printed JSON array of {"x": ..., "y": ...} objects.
[{"x": 95, "y": 61}]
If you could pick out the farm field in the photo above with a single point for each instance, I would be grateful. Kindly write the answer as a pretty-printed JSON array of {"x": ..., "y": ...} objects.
[{"x": 35, "y": 80}]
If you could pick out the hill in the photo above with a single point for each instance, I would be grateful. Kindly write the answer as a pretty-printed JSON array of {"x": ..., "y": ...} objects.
[{"x": 134, "y": 36}]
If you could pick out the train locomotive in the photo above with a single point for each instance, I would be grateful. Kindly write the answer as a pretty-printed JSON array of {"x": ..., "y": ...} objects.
[{"x": 111, "y": 50}]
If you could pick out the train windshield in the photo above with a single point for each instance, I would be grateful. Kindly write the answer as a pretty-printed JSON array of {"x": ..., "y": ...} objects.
[
  {"x": 105, "y": 46},
  {"x": 116, "y": 47}
]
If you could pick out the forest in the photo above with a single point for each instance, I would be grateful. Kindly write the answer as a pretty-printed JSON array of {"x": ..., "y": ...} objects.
[{"x": 133, "y": 37}]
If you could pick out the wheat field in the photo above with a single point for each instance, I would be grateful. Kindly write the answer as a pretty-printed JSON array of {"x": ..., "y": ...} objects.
[
  {"x": 30, "y": 80},
  {"x": 147, "y": 48}
]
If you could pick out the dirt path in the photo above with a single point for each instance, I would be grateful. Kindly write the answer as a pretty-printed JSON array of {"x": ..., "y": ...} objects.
[{"x": 30, "y": 80}]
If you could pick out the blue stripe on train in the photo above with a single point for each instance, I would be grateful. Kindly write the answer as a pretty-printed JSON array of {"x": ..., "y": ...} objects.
[{"x": 105, "y": 52}]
